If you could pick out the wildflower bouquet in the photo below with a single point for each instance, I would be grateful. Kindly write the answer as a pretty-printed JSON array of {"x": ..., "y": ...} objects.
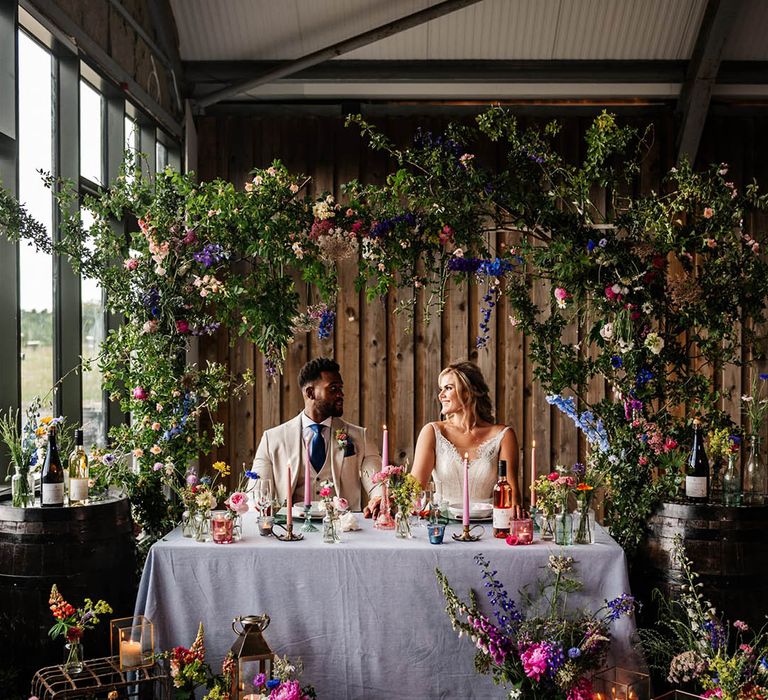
[
  {"x": 189, "y": 670},
  {"x": 691, "y": 644},
  {"x": 71, "y": 622},
  {"x": 544, "y": 651},
  {"x": 755, "y": 405},
  {"x": 402, "y": 486}
]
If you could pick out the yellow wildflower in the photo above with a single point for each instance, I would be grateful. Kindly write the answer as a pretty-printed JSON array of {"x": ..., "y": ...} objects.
[
  {"x": 222, "y": 467},
  {"x": 46, "y": 420}
]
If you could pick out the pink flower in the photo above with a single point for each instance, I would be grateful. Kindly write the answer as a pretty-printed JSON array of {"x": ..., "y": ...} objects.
[
  {"x": 534, "y": 660},
  {"x": 131, "y": 263},
  {"x": 611, "y": 293},
  {"x": 716, "y": 693},
  {"x": 709, "y": 212},
  {"x": 157, "y": 466},
  {"x": 741, "y": 625},
  {"x": 643, "y": 460},
  {"x": 182, "y": 326},
  {"x": 191, "y": 479},
  {"x": 745, "y": 648},
  {"x": 139, "y": 394},
  {"x": 553, "y": 476},
  {"x": 259, "y": 680},
  {"x": 287, "y": 690},
  {"x": 340, "y": 503},
  {"x": 156, "y": 426},
  {"x": 581, "y": 691},
  {"x": 326, "y": 492},
  {"x": 560, "y": 293},
  {"x": 710, "y": 242},
  {"x": 446, "y": 235},
  {"x": 138, "y": 453},
  {"x": 294, "y": 188},
  {"x": 150, "y": 326},
  {"x": 189, "y": 237},
  {"x": 238, "y": 502},
  {"x": 669, "y": 444}
]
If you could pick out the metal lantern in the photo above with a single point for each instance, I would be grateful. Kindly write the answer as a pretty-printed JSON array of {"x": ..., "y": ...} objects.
[{"x": 251, "y": 655}]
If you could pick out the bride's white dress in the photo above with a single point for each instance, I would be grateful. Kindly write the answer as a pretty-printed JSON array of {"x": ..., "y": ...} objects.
[{"x": 483, "y": 469}]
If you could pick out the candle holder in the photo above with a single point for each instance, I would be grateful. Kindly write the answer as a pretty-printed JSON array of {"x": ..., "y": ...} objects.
[
  {"x": 132, "y": 641},
  {"x": 618, "y": 683},
  {"x": 290, "y": 535},
  {"x": 679, "y": 695},
  {"x": 466, "y": 534},
  {"x": 308, "y": 526}
]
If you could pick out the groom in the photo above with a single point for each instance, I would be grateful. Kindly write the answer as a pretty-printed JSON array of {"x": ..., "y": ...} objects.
[{"x": 338, "y": 451}]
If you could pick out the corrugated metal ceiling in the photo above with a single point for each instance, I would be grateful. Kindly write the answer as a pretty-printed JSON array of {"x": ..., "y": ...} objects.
[{"x": 491, "y": 29}]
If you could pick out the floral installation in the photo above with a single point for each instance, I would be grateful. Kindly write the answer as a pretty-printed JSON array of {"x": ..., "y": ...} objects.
[
  {"x": 284, "y": 683},
  {"x": 691, "y": 644},
  {"x": 542, "y": 650}
]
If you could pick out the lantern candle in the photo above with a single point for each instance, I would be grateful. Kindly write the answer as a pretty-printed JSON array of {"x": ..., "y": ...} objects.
[
  {"x": 465, "y": 518},
  {"x": 307, "y": 479},
  {"x": 533, "y": 473},
  {"x": 289, "y": 508},
  {"x": 130, "y": 654}
]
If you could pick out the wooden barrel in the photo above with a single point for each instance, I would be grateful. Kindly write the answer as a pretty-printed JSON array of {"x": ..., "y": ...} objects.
[
  {"x": 87, "y": 551},
  {"x": 727, "y": 547}
]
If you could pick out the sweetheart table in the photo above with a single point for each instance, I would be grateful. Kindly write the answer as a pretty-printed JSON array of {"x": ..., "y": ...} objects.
[{"x": 366, "y": 616}]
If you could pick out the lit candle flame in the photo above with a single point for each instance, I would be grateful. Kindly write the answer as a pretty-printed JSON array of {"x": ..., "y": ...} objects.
[
  {"x": 533, "y": 444},
  {"x": 385, "y": 426}
]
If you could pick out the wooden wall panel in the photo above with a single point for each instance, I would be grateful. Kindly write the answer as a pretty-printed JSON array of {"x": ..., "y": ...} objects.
[{"x": 391, "y": 376}]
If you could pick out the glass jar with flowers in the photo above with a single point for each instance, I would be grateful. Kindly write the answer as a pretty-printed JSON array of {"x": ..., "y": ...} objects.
[
  {"x": 547, "y": 501},
  {"x": 755, "y": 407},
  {"x": 403, "y": 488},
  {"x": 563, "y": 518},
  {"x": 70, "y": 623},
  {"x": 334, "y": 505}
]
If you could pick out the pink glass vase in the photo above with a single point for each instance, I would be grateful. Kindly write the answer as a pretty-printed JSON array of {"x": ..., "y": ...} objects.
[{"x": 385, "y": 521}]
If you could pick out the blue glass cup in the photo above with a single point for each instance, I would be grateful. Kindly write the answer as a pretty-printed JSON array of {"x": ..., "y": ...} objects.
[{"x": 436, "y": 533}]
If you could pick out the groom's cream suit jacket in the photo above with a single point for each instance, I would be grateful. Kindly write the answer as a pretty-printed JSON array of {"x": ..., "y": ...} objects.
[{"x": 350, "y": 468}]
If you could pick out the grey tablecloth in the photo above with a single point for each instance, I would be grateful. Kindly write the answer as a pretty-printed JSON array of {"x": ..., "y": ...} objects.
[{"x": 366, "y": 616}]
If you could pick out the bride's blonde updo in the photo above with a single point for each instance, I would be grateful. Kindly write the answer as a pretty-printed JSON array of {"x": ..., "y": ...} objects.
[{"x": 472, "y": 391}]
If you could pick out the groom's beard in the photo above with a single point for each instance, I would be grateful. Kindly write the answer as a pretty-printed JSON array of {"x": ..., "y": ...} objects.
[{"x": 330, "y": 408}]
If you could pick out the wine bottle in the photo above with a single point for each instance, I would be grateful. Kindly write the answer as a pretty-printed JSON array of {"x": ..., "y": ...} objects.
[
  {"x": 52, "y": 478},
  {"x": 697, "y": 477},
  {"x": 78, "y": 473},
  {"x": 502, "y": 503}
]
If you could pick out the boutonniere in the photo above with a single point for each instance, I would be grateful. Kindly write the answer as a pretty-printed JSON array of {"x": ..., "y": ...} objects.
[{"x": 342, "y": 439}]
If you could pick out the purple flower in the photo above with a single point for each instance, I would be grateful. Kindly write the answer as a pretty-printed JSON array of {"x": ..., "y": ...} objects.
[
  {"x": 643, "y": 376},
  {"x": 108, "y": 459},
  {"x": 191, "y": 479},
  {"x": 579, "y": 470},
  {"x": 259, "y": 680},
  {"x": 574, "y": 653},
  {"x": 210, "y": 254},
  {"x": 623, "y": 605},
  {"x": 157, "y": 466},
  {"x": 590, "y": 245},
  {"x": 252, "y": 475},
  {"x": 326, "y": 324},
  {"x": 763, "y": 376},
  {"x": 616, "y": 362},
  {"x": 603, "y": 242},
  {"x": 715, "y": 634},
  {"x": 272, "y": 683}
]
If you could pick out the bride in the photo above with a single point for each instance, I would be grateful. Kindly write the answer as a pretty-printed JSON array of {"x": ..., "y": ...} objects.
[{"x": 469, "y": 427}]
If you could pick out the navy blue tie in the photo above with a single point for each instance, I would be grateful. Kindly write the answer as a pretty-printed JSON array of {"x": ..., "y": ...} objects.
[{"x": 317, "y": 447}]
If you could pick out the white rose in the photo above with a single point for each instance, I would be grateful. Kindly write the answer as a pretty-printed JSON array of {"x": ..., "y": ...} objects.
[
  {"x": 348, "y": 522},
  {"x": 654, "y": 342},
  {"x": 606, "y": 332}
]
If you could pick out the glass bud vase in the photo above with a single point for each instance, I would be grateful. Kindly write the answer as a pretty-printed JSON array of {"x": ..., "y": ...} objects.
[
  {"x": 202, "y": 526},
  {"x": 22, "y": 489},
  {"x": 187, "y": 524},
  {"x": 584, "y": 529},
  {"x": 754, "y": 475},
  {"x": 403, "y": 524},
  {"x": 731, "y": 485},
  {"x": 564, "y": 528},
  {"x": 330, "y": 526},
  {"x": 73, "y": 657},
  {"x": 546, "y": 525}
]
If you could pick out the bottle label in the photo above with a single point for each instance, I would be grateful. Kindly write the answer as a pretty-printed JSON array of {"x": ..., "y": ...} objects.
[
  {"x": 696, "y": 486},
  {"x": 501, "y": 518},
  {"x": 52, "y": 494},
  {"x": 78, "y": 489}
]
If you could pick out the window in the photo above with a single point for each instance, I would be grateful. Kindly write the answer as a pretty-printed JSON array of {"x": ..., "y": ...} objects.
[
  {"x": 91, "y": 134},
  {"x": 36, "y": 114}
]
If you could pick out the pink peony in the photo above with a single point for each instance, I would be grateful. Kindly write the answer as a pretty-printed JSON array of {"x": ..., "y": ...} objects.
[
  {"x": 131, "y": 263},
  {"x": 238, "y": 502},
  {"x": 182, "y": 326},
  {"x": 561, "y": 294},
  {"x": 287, "y": 690},
  {"x": 534, "y": 660},
  {"x": 325, "y": 492},
  {"x": 139, "y": 393}
]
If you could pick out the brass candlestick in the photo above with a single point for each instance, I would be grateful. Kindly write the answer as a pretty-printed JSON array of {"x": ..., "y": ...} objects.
[
  {"x": 308, "y": 526},
  {"x": 466, "y": 535},
  {"x": 289, "y": 535}
]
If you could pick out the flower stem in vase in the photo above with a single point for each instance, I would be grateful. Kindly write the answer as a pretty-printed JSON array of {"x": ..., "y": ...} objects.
[{"x": 385, "y": 520}]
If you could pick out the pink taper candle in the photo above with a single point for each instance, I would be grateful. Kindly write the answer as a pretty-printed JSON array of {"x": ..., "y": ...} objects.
[
  {"x": 465, "y": 518},
  {"x": 385, "y": 449},
  {"x": 533, "y": 473},
  {"x": 307, "y": 478},
  {"x": 289, "y": 504}
]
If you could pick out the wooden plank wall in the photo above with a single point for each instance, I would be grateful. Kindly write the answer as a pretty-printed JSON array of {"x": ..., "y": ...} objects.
[{"x": 390, "y": 375}]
